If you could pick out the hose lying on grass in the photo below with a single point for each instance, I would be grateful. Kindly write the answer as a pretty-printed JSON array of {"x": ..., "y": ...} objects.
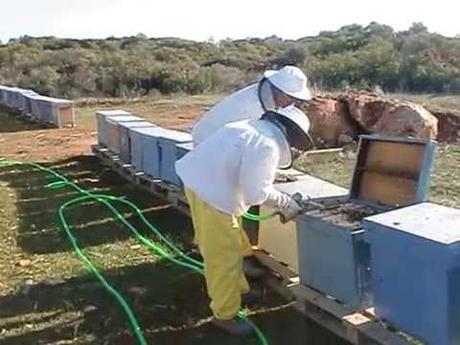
[{"x": 179, "y": 257}]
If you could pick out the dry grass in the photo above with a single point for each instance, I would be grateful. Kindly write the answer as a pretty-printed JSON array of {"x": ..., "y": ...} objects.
[{"x": 177, "y": 113}]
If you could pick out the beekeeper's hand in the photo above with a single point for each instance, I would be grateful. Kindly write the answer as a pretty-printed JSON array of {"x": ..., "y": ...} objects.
[{"x": 290, "y": 211}]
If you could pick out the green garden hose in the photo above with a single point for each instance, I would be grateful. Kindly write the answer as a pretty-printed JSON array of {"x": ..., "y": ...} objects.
[
  {"x": 184, "y": 261},
  {"x": 259, "y": 218}
]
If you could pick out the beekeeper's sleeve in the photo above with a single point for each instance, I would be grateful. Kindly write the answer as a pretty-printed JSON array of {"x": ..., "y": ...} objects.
[{"x": 257, "y": 175}]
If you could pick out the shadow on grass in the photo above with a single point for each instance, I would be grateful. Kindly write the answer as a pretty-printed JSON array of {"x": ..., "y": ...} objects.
[
  {"x": 93, "y": 224},
  {"x": 12, "y": 122},
  {"x": 170, "y": 303}
]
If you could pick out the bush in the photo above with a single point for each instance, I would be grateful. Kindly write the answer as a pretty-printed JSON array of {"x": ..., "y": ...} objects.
[{"x": 353, "y": 56}]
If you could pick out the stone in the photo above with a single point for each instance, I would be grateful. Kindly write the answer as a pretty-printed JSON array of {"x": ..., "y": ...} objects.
[
  {"x": 374, "y": 114},
  {"x": 329, "y": 119}
]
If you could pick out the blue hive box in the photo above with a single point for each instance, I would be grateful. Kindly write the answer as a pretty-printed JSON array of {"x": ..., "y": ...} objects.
[
  {"x": 58, "y": 112},
  {"x": 17, "y": 98},
  {"x": 10, "y": 96},
  {"x": 334, "y": 255},
  {"x": 26, "y": 105},
  {"x": 113, "y": 130},
  {"x": 169, "y": 153},
  {"x": 145, "y": 151},
  {"x": 40, "y": 109},
  {"x": 416, "y": 271},
  {"x": 3, "y": 93},
  {"x": 125, "y": 140},
  {"x": 101, "y": 125}
]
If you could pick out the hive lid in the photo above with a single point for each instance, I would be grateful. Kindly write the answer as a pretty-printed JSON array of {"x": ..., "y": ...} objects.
[
  {"x": 154, "y": 131},
  {"x": 49, "y": 99},
  {"x": 138, "y": 124},
  {"x": 175, "y": 136},
  {"x": 426, "y": 220},
  {"x": 125, "y": 118},
  {"x": 186, "y": 146},
  {"x": 312, "y": 187},
  {"x": 118, "y": 112},
  {"x": 392, "y": 172}
]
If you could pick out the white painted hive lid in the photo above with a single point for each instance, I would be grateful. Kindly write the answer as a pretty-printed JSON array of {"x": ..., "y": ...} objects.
[
  {"x": 312, "y": 187},
  {"x": 426, "y": 220},
  {"x": 117, "y": 112}
]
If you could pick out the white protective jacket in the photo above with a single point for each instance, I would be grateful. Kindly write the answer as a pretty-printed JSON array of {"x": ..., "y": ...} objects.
[
  {"x": 244, "y": 104},
  {"x": 235, "y": 167}
]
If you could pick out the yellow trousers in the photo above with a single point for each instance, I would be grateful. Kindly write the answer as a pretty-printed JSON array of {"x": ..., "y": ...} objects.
[{"x": 223, "y": 244}]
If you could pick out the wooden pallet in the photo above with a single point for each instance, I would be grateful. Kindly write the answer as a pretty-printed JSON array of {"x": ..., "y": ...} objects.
[
  {"x": 166, "y": 191},
  {"x": 359, "y": 328}
]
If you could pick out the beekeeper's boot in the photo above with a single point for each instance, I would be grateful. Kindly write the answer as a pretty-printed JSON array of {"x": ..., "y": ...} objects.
[
  {"x": 252, "y": 268},
  {"x": 234, "y": 326}
]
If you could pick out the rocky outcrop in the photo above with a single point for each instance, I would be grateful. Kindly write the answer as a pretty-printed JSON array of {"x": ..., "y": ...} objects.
[
  {"x": 378, "y": 115},
  {"x": 448, "y": 126},
  {"x": 330, "y": 121},
  {"x": 337, "y": 119}
]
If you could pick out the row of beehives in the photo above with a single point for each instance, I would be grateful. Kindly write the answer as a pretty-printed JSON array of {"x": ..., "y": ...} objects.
[
  {"x": 147, "y": 147},
  {"x": 58, "y": 112}
]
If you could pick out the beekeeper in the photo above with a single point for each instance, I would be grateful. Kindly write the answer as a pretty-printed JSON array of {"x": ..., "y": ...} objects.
[
  {"x": 277, "y": 89},
  {"x": 231, "y": 170}
]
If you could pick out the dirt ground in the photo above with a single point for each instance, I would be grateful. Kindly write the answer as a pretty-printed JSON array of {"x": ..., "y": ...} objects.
[{"x": 46, "y": 294}]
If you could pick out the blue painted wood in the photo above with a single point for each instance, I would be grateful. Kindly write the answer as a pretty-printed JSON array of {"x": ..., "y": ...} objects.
[
  {"x": 101, "y": 124},
  {"x": 145, "y": 152},
  {"x": 26, "y": 104},
  {"x": 125, "y": 141},
  {"x": 416, "y": 270},
  {"x": 334, "y": 260},
  {"x": 11, "y": 96},
  {"x": 113, "y": 127},
  {"x": 3, "y": 93},
  {"x": 169, "y": 154}
]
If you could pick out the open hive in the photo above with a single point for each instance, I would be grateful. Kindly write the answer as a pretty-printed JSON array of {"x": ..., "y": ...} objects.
[{"x": 334, "y": 255}]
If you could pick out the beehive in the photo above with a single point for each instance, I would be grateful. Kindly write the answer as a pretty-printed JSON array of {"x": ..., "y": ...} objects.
[
  {"x": 10, "y": 96},
  {"x": 113, "y": 128},
  {"x": 3, "y": 93},
  {"x": 55, "y": 111},
  {"x": 25, "y": 103},
  {"x": 145, "y": 151},
  {"x": 101, "y": 124},
  {"x": 334, "y": 256},
  {"x": 125, "y": 137},
  {"x": 279, "y": 239},
  {"x": 416, "y": 270},
  {"x": 167, "y": 143}
]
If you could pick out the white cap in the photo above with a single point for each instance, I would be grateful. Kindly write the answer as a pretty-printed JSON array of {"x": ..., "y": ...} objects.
[{"x": 291, "y": 81}]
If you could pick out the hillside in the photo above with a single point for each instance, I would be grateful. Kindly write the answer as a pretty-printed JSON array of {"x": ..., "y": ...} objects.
[{"x": 353, "y": 56}]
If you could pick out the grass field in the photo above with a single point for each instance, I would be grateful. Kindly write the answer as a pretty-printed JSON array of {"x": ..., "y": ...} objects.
[{"x": 48, "y": 297}]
